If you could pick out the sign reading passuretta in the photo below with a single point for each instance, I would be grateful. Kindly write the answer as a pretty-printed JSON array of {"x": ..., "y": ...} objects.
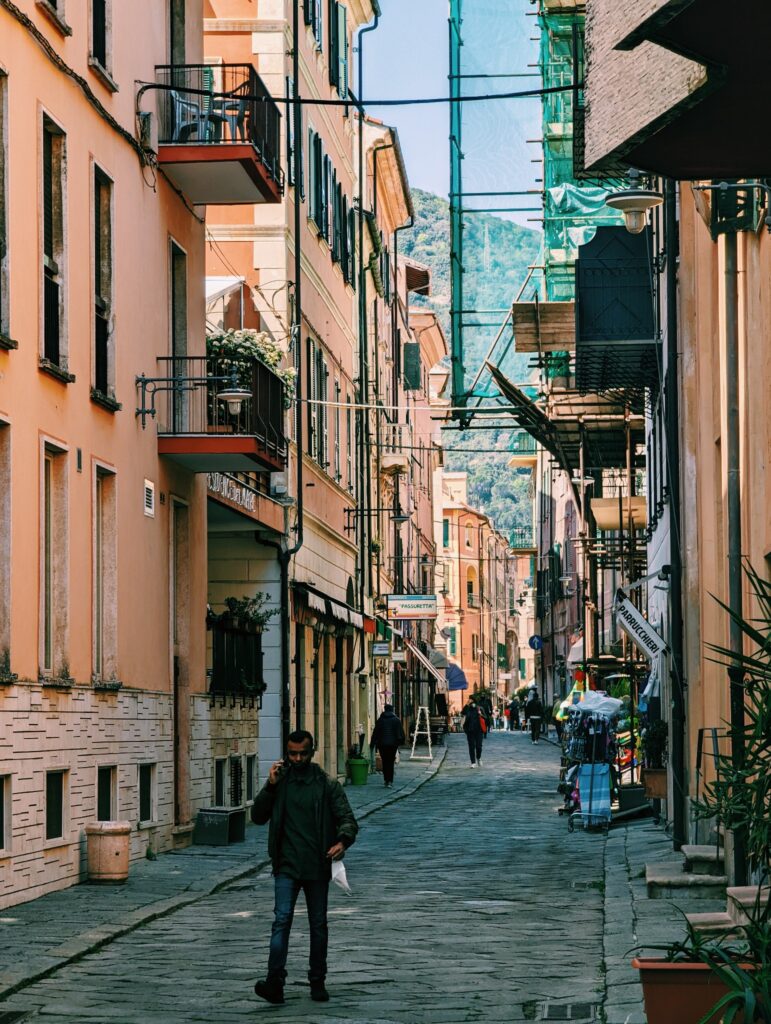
[
  {"x": 411, "y": 606},
  {"x": 637, "y": 628}
]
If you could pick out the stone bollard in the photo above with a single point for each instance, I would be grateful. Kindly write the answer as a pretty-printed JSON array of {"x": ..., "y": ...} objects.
[{"x": 107, "y": 844}]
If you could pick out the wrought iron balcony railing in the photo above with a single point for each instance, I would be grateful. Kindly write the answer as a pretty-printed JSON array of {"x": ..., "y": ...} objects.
[
  {"x": 185, "y": 400},
  {"x": 219, "y": 104}
]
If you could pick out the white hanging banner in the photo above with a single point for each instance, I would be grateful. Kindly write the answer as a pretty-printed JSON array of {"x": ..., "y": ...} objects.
[{"x": 637, "y": 628}]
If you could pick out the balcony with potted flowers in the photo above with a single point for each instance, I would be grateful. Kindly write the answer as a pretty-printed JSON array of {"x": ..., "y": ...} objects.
[{"x": 219, "y": 133}]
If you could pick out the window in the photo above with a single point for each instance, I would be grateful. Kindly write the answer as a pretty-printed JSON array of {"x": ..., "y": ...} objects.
[
  {"x": 5, "y": 328},
  {"x": 100, "y": 30},
  {"x": 337, "y": 431},
  {"x": 219, "y": 782},
  {"x": 320, "y": 178},
  {"x": 53, "y": 261},
  {"x": 446, "y": 533},
  {"x": 177, "y": 32},
  {"x": 289, "y": 124},
  {"x": 5, "y": 812},
  {"x": 107, "y": 793},
  {"x": 54, "y": 565},
  {"x": 474, "y": 647},
  {"x": 55, "y": 792},
  {"x": 178, "y": 301},
  {"x": 5, "y": 548},
  {"x": 468, "y": 536},
  {"x": 471, "y": 596},
  {"x": 349, "y": 452},
  {"x": 104, "y": 379},
  {"x": 452, "y": 640},
  {"x": 104, "y": 581},
  {"x": 314, "y": 18},
  {"x": 251, "y": 775},
  {"x": 318, "y": 413},
  {"x": 146, "y": 792},
  {"x": 338, "y": 47}
]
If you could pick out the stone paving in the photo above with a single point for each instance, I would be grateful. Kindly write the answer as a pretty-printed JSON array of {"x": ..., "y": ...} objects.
[{"x": 471, "y": 902}]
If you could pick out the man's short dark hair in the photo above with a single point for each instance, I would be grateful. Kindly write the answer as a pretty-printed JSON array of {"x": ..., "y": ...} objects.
[
  {"x": 301, "y": 736},
  {"x": 388, "y": 707}
]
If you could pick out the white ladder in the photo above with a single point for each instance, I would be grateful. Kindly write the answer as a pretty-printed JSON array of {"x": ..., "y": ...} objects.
[{"x": 422, "y": 718}]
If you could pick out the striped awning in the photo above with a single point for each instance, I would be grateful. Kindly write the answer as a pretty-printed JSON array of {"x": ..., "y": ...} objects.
[{"x": 440, "y": 677}]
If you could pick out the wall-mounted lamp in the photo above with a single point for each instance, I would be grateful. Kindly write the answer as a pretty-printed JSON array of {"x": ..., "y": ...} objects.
[
  {"x": 233, "y": 394},
  {"x": 634, "y": 203}
]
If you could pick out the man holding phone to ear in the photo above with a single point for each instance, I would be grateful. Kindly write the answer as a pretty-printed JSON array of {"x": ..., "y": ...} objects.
[{"x": 311, "y": 824}]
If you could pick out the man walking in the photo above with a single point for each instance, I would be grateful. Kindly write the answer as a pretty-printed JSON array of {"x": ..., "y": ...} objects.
[
  {"x": 311, "y": 825},
  {"x": 472, "y": 726},
  {"x": 387, "y": 736},
  {"x": 534, "y": 716},
  {"x": 514, "y": 714}
]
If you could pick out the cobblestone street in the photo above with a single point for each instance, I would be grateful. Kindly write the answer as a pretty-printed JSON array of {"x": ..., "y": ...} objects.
[{"x": 462, "y": 911}]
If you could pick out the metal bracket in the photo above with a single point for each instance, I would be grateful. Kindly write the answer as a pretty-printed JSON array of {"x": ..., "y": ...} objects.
[{"x": 150, "y": 386}]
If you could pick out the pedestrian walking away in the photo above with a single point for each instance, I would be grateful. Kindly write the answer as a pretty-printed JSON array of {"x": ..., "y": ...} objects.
[
  {"x": 474, "y": 730},
  {"x": 311, "y": 825},
  {"x": 387, "y": 736},
  {"x": 534, "y": 716},
  {"x": 514, "y": 714}
]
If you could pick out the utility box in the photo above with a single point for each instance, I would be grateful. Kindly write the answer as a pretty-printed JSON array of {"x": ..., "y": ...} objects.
[{"x": 218, "y": 826}]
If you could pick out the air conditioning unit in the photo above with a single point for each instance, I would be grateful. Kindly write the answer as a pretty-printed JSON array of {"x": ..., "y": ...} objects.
[{"x": 147, "y": 130}]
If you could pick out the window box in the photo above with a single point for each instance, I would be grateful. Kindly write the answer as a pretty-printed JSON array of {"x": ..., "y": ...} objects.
[
  {"x": 103, "y": 74},
  {"x": 105, "y": 401},
  {"x": 8, "y": 343},
  {"x": 56, "y": 682},
  {"x": 107, "y": 685}
]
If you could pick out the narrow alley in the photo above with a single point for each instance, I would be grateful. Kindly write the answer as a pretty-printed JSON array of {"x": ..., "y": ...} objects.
[{"x": 463, "y": 910}]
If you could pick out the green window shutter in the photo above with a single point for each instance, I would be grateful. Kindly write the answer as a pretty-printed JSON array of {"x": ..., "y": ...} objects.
[
  {"x": 446, "y": 533},
  {"x": 521, "y": 668},
  {"x": 310, "y": 11},
  {"x": 312, "y": 172},
  {"x": 334, "y": 54},
  {"x": 289, "y": 132},
  {"x": 352, "y": 248},
  {"x": 344, "y": 239},
  {"x": 412, "y": 366},
  {"x": 342, "y": 51},
  {"x": 453, "y": 643}
]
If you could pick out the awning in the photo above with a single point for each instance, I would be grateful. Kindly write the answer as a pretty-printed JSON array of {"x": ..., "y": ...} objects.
[
  {"x": 576, "y": 653},
  {"x": 219, "y": 287},
  {"x": 330, "y": 607},
  {"x": 424, "y": 661},
  {"x": 437, "y": 658},
  {"x": 456, "y": 678}
]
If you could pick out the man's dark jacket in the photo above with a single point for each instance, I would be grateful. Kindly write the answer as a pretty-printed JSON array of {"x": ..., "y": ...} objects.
[
  {"x": 533, "y": 709},
  {"x": 334, "y": 818},
  {"x": 388, "y": 731}
]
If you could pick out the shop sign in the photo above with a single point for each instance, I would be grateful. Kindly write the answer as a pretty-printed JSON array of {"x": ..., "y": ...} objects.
[
  {"x": 381, "y": 649},
  {"x": 223, "y": 486},
  {"x": 399, "y": 656},
  {"x": 411, "y": 606},
  {"x": 637, "y": 628}
]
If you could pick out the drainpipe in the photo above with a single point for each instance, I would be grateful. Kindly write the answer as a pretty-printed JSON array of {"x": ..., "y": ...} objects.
[
  {"x": 734, "y": 529},
  {"x": 679, "y": 781}
]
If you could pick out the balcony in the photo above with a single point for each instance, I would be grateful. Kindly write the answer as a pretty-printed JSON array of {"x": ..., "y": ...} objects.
[
  {"x": 206, "y": 433},
  {"x": 396, "y": 448},
  {"x": 524, "y": 450},
  {"x": 219, "y": 134},
  {"x": 522, "y": 538}
]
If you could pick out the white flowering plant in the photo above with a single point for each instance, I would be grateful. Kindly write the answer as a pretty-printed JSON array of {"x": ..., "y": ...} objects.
[{"x": 237, "y": 349}]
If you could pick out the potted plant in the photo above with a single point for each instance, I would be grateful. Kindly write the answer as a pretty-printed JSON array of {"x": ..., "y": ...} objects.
[
  {"x": 705, "y": 980},
  {"x": 249, "y": 613},
  {"x": 358, "y": 766},
  {"x": 653, "y": 750},
  {"x": 228, "y": 350}
]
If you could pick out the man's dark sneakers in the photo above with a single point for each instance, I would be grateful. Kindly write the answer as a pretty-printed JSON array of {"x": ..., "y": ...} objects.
[
  {"x": 319, "y": 992},
  {"x": 270, "y": 990}
]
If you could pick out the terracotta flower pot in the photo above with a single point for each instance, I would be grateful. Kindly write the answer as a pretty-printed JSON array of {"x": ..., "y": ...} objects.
[
  {"x": 108, "y": 845},
  {"x": 682, "y": 992}
]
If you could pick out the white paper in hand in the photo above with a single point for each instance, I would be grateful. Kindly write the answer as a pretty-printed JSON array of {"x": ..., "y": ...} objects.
[{"x": 339, "y": 876}]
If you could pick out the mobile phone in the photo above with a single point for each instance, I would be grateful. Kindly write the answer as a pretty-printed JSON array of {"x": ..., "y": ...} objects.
[{"x": 286, "y": 764}]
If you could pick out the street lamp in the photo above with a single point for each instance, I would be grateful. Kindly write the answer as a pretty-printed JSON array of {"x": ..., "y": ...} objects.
[
  {"x": 634, "y": 203},
  {"x": 233, "y": 394}
]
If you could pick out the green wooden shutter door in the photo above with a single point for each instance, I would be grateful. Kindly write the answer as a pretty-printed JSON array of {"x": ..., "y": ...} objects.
[
  {"x": 411, "y": 359},
  {"x": 342, "y": 50}
]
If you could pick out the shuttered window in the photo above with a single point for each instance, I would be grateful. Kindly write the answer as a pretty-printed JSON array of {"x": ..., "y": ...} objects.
[
  {"x": 338, "y": 47},
  {"x": 446, "y": 533},
  {"x": 53, "y": 242},
  {"x": 289, "y": 124},
  {"x": 102, "y": 282},
  {"x": 313, "y": 16},
  {"x": 452, "y": 640}
]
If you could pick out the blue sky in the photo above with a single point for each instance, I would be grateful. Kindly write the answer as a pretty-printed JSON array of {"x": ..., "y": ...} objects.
[{"x": 407, "y": 57}]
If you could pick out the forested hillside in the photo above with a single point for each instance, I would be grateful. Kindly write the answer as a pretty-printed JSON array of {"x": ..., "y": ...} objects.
[{"x": 497, "y": 253}]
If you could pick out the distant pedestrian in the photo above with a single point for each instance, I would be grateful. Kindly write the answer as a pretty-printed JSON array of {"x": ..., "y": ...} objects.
[
  {"x": 387, "y": 736},
  {"x": 311, "y": 825},
  {"x": 534, "y": 716},
  {"x": 514, "y": 714},
  {"x": 474, "y": 730}
]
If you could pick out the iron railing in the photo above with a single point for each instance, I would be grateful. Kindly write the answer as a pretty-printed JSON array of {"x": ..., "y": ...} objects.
[
  {"x": 219, "y": 104},
  {"x": 190, "y": 404},
  {"x": 236, "y": 657},
  {"x": 522, "y": 537}
]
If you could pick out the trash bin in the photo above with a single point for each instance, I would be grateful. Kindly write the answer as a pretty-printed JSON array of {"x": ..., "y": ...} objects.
[
  {"x": 107, "y": 847},
  {"x": 359, "y": 768}
]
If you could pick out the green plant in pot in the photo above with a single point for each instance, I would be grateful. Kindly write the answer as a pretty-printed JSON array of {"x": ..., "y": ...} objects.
[{"x": 250, "y": 611}]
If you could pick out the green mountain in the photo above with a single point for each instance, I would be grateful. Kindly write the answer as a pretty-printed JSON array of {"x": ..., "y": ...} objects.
[{"x": 497, "y": 254}]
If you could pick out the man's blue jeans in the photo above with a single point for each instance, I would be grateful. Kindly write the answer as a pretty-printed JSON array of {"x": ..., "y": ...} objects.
[{"x": 316, "y": 895}]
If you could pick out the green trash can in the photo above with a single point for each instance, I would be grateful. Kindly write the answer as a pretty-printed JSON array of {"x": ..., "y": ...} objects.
[{"x": 359, "y": 768}]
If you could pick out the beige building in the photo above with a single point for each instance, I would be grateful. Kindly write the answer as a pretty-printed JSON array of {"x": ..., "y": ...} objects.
[{"x": 478, "y": 592}]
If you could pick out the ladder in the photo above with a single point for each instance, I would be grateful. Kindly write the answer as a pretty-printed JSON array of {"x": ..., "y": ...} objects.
[{"x": 420, "y": 730}]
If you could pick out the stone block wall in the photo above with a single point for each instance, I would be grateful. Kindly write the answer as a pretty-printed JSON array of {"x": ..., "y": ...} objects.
[{"x": 77, "y": 731}]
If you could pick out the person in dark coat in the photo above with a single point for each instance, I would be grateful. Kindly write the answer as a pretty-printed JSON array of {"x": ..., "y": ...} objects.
[
  {"x": 311, "y": 825},
  {"x": 472, "y": 726},
  {"x": 514, "y": 714},
  {"x": 387, "y": 736},
  {"x": 534, "y": 716}
]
